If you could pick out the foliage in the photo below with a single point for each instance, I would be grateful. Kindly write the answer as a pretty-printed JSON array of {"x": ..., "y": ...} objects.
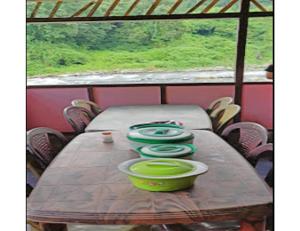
[{"x": 155, "y": 45}]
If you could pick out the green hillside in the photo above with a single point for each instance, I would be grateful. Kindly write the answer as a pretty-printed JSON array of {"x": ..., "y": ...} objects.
[{"x": 144, "y": 46}]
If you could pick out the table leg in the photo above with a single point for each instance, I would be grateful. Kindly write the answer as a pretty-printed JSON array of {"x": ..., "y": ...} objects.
[
  {"x": 54, "y": 227},
  {"x": 253, "y": 224}
]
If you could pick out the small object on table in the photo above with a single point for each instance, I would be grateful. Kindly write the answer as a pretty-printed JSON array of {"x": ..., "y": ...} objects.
[{"x": 107, "y": 137}]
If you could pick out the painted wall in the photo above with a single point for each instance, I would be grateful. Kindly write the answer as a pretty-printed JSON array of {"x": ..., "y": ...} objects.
[
  {"x": 257, "y": 104},
  {"x": 121, "y": 96},
  {"x": 45, "y": 105},
  {"x": 200, "y": 95}
]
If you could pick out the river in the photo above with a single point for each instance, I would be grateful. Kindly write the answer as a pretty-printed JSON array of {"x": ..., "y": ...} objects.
[{"x": 202, "y": 76}]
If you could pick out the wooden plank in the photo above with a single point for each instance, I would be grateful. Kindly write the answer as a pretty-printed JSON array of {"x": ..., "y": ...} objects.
[
  {"x": 174, "y": 7},
  {"x": 93, "y": 10},
  {"x": 196, "y": 6},
  {"x": 240, "y": 55},
  {"x": 36, "y": 8},
  {"x": 259, "y": 6},
  {"x": 112, "y": 7},
  {"x": 211, "y": 5},
  {"x": 228, "y": 6},
  {"x": 153, "y": 7},
  {"x": 146, "y": 17},
  {"x": 79, "y": 12},
  {"x": 55, "y": 9},
  {"x": 134, "y": 4}
]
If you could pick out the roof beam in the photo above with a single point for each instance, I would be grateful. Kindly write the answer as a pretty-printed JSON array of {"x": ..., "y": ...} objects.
[
  {"x": 259, "y": 6},
  {"x": 211, "y": 5},
  {"x": 174, "y": 7},
  {"x": 111, "y": 8},
  {"x": 153, "y": 7},
  {"x": 196, "y": 6},
  {"x": 86, "y": 6},
  {"x": 55, "y": 9},
  {"x": 133, "y": 5},
  {"x": 228, "y": 6},
  {"x": 36, "y": 8},
  {"x": 96, "y": 6}
]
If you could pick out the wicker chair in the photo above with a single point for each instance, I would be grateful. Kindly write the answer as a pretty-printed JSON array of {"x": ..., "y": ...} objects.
[
  {"x": 91, "y": 106},
  {"x": 78, "y": 118},
  {"x": 225, "y": 116},
  {"x": 245, "y": 136},
  {"x": 44, "y": 144},
  {"x": 218, "y": 105}
]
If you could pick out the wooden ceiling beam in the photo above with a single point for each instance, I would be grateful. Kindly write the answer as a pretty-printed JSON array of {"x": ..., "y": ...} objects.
[
  {"x": 84, "y": 8},
  {"x": 96, "y": 6},
  {"x": 111, "y": 8},
  {"x": 175, "y": 6},
  {"x": 55, "y": 9},
  {"x": 228, "y": 6},
  {"x": 211, "y": 5},
  {"x": 36, "y": 8},
  {"x": 133, "y": 5},
  {"x": 153, "y": 7},
  {"x": 196, "y": 6},
  {"x": 259, "y": 6}
]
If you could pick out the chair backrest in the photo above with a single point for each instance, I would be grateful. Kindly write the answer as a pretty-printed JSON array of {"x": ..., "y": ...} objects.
[
  {"x": 263, "y": 156},
  {"x": 245, "y": 136},
  {"x": 224, "y": 117},
  {"x": 217, "y": 105},
  {"x": 89, "y": 105},
  {"x": 78, "y": 117},
  {"x": 44, "y": 144}
]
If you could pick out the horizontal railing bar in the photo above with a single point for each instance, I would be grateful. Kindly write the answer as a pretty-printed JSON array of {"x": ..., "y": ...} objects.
[
  {"x": 146, "y": 17},
  {"x": 145, "y": 85}
]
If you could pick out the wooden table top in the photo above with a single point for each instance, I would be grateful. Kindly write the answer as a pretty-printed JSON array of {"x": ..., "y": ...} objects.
[
  {"x": 83, "y": 185},
  {"x": 120, "y": 118}
]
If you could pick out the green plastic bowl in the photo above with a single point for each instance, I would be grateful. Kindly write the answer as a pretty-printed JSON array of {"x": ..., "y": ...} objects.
[
  {"x": 167, "y": 151},
  {"x": 158, "y": 134},
  {"x": 163, "y": 174}
]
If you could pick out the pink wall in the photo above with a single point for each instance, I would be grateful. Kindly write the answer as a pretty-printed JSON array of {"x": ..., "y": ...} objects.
[
  {"x": 119, "y": 96},
  {"x": 200, "y": 95},
  {"x": 257, "y": 104},
  {"x": 45, "y": 106}
]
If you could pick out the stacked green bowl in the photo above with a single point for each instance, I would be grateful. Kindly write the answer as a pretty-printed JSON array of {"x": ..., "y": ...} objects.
[{"x": 162, "y": 174}]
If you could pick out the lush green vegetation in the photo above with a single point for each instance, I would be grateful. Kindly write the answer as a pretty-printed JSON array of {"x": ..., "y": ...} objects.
[{"x": 145, "y": 46}]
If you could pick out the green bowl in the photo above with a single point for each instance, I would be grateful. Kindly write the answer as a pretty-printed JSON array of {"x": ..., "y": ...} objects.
[
  {"x": 167, "y": 151},
  {"x": 162, "y": 174}
]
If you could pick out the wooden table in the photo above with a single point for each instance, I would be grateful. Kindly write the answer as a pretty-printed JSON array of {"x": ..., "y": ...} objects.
[
  {"x": 83, "y": 185},
  {"x": 120, "y": 118}
]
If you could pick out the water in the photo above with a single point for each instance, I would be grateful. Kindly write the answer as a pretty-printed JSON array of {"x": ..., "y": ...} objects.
[{"x": 148, "y": 78}]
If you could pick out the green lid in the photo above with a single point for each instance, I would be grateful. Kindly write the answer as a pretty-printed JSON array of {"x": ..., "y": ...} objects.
[
  {"x": 161, "y": 167},
  {"x": 167, "y": 150},
  {"x": 146, "y": 125},
  {"x": 161, "y": 134}
]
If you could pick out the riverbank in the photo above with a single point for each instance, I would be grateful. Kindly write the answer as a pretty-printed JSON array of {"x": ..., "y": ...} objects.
[{"x": 191, "y": 76}]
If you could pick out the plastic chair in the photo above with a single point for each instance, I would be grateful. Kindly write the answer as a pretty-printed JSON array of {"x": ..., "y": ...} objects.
[
  {"x": 217, "y": 105},
  {"x": 262, "y": 157},
  {"x": 43, "y": 145},
  {"x": 224, "y": 117},
  {"x": 78, "y": 118},
  {"x": 89, "y": 105},
  {"x": 245, "y": 136}
]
